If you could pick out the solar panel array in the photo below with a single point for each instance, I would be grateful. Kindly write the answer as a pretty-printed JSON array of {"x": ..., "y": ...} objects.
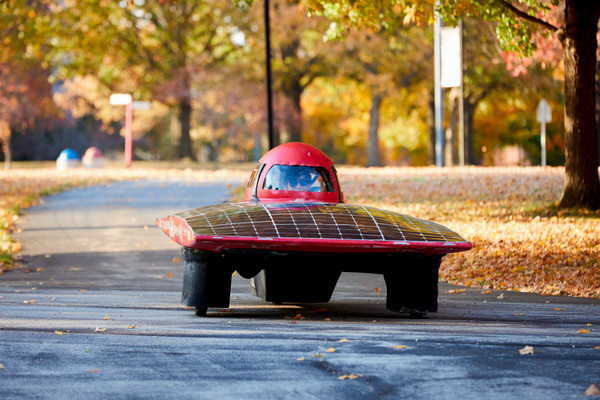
[{"x": 314, "y": 221}]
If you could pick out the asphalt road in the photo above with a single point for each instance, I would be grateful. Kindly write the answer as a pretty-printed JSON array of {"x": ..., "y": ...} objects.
[{"x": 95, "y": 314}]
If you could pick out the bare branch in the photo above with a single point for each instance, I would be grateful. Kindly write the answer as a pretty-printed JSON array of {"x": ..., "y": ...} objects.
[{"x": 523, "y": 15}]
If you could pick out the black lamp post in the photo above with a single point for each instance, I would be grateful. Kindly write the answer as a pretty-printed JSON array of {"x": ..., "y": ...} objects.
[{"x": 269, "y": 77}]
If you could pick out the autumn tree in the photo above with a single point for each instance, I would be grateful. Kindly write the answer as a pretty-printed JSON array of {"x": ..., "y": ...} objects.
[
  {"x": 384, "y": 61},
  {"x": 517, "y": 21},
  {"x": 485, "y": 73},
  {"x": 148, "y": 48},
  {"x": 299, "y": 56},
  {"x": 25, "y": 93}
]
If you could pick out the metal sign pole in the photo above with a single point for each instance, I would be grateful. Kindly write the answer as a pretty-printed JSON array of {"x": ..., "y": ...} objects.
[
  {"x": 438, "y": 94},
  {"x": 461, "y": 104},
  {"x": 543, "y": 140},
  {"x": 128, "y": 133},
  {"x": 125, "y": 99},
  {"x": 543, "y": 115}
]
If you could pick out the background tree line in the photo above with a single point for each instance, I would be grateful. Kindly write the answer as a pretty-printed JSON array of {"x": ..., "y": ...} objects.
[{"x": 362, "y": 92}]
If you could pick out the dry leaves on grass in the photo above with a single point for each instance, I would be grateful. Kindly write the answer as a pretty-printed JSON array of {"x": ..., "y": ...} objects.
[{"x": 519, "y": 242}]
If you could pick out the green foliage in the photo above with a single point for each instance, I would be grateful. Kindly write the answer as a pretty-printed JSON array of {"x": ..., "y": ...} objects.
[{"x": 514, "y": 31}]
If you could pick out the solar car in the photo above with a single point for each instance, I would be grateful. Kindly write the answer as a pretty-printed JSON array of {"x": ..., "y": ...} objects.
[{"x": 293, "y": 236}]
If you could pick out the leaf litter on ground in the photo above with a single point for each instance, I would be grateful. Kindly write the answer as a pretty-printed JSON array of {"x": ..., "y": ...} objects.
[{"x": 520, "y": 240}]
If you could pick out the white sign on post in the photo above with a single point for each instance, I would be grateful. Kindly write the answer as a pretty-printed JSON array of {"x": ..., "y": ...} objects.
[
  {"x": 544, "y": 115},
  {"x": 120, "y": 99},
  {"x": 543, "y": 112},
  {"x": 451, "y": 58}
]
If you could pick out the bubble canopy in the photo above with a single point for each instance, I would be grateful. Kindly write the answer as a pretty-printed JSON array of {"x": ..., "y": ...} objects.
[{"x": 294, "y": 171}]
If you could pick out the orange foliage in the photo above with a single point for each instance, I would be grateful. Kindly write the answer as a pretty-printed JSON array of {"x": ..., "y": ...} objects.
[{"x": 519, "y": 243}]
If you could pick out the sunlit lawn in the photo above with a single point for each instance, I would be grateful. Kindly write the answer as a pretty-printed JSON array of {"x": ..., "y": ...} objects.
[{"x": 520, "y": 242}]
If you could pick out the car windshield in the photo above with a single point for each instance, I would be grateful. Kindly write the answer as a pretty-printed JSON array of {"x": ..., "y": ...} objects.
[{"x": 298, "y": 178}]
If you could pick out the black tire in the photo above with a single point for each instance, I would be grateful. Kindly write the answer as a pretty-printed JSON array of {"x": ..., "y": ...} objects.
[{"x": 200, "y": 311}]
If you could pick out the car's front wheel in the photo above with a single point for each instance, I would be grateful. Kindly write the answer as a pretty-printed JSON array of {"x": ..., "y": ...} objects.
[{"x": 200, "y": 311}]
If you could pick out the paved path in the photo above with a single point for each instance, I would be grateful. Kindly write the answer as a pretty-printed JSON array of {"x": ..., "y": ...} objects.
[{"x": 96, "y": 315}]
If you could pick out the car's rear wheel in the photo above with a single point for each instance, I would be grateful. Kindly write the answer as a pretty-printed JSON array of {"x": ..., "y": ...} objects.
[{"x": 200, "y": 311}]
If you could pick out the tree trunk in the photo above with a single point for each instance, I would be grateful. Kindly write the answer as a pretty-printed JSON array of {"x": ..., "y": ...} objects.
[
  {"x": 431, "y": 130},
  {"x": 582, "y": 184},
  {"x": 294, "y": 123},
  {"x": 373, "y": 157},
  {"x": 452, "y": 130},
  {"x": 469, "y": 133},
  {"x": 5, "y": 139},
  {"x": 185, "y": 115},
  {"x": 185, "y": 141},
  {"x": 598, "y": 107}
]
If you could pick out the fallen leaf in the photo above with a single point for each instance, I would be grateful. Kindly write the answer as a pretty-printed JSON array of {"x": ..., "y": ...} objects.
[
  {"x": 74, "y": 269},
  {"x": 29, "y": 301},
  {"x": 131, "y": 327},
  {"x": 330, "y": 350},
  {"x": 100, "y": 329},
  {"x": 597, "y": 347},
  {"x": 82, "y": 290},
  {"x": 1, "y": 366},
  {"x": 588, "y": 324},
  {"x": 106, "y": 318},
  {"x": 559, "y": 309},
  {"x": 351, "y": 376},
  {"x": 318, "y": 355},
  {"x": 455, "y": 291},
  {"x": 175, "y": 260},
  {"x": 169, "y": 275},
  {"x": 344, "y": 340},
  {"x": 592, "y": 391},
  {"x": 377, "y": 290},
  {"x": 39, "y": 269},
  {"x": 400, "y": 346},
  {"x": 583, "y": 331},
  {"x": 95, "y": 370},
  {"x": 300, "y": 359},
  {"x": 526, "y": 350},
  {"x": 501, "y": 296},
  {"x": 60, "y": 333},
  {"x": 486, "y": 292}
]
